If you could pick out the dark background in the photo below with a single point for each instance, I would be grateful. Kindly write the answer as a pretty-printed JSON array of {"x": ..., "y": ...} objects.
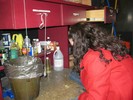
[{"x": 124, "y": 18}]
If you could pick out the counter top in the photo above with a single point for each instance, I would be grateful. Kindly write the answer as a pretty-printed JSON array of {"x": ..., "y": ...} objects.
[{"x": 58, "y": 86}]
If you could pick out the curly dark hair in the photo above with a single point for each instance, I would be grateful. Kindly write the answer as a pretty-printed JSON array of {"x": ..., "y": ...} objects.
[{"x": 94, "y": 36}]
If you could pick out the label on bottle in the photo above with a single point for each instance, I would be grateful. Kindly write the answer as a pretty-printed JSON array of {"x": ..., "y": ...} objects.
[
  {"x": 14, "y": 54},
  {"x": 58, "y": 63},
  {"x": 31, "y": 51}
]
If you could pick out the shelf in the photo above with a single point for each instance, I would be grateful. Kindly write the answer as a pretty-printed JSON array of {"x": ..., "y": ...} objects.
[
  {"x": 69, "y": 3},
  {"x": 95, "y": 15},
  {"x": 106, "y": 15}
]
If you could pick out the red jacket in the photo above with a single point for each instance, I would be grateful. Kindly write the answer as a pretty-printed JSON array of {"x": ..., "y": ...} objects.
[{"x": 103, "y": 81}]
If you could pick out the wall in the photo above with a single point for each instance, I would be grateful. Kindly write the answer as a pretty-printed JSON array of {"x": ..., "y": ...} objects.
[
  {"x": 59, "y": 34},
  {"x": 124, "y": 20}
]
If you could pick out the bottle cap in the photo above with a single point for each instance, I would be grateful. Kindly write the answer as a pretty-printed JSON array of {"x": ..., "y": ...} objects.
[
  {"x": 57, "y": 47},
  {"x": 48, "y": 38}
]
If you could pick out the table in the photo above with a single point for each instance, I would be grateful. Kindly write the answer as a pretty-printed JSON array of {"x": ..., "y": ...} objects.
[{"x": 58, "y": 86}]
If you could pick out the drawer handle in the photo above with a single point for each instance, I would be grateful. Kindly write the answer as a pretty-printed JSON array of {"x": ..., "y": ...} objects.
[
  {"x": 76, "y": 14},
  {"x": 41, "y": 11}
]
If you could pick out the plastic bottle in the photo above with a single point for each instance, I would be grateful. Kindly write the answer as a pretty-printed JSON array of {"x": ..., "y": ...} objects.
[
  {"x": 48, "y": 43},
  {"x": 31, "y": 52},
  {"x": 48, "y": 40},
  {"x": 39, "y": 49},
  {"x": 58, "y": 59},
  {"x": 24, "y": 49},
  {"x": 14, "y": 50},
  {"x": 27, "y": 41},
  {"x": 47, "y": 67},
  {"x": 34, "y": 44}
]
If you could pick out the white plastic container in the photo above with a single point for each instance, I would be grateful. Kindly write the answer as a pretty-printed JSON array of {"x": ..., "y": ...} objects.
[
  {"x": 27, "y": 41},
  {"x": 58, "y": 60},
  {"x": 38, "y": 44}
]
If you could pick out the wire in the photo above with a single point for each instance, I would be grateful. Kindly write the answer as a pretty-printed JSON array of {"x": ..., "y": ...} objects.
[
  {"x": 26, "y": 35},
  {"x": 25, "y": 19},
  {"x": 45, "y": 35}
]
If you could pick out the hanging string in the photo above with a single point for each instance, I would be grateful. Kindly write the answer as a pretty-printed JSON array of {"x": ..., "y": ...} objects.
[
  {"x": 43, "y": 14},
  {"x": 42, "y": 20},
  {"x": 26, "y": 33},
  {"x": 25, "y": 19},
  {"x": 41, "y": 26},
  {"x": 44, "y": 25},
  {"x": 45, "y": 34}
]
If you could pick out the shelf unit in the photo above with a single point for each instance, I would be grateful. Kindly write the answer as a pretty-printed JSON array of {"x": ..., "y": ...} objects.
[{"x": 106, "y": 15}]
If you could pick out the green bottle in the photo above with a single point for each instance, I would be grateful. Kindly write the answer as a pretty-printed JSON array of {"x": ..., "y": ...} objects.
[{"x": 14, "y": 50}]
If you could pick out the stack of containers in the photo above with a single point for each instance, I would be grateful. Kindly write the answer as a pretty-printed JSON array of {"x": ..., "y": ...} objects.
[{"x": 6, "y": 37}]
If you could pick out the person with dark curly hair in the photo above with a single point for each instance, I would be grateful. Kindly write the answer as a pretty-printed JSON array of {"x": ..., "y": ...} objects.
[{"x": 103, "y": 62}]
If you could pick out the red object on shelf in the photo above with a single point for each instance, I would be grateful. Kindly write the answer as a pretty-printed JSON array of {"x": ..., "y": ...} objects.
[{"x": 1, "y": 98}]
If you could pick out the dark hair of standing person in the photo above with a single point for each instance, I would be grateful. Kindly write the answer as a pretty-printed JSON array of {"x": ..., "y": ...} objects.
[{"x": 94, "y": 36}]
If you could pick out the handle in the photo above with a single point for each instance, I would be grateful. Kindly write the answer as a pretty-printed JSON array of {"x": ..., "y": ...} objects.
[
  {"x": 76, "y": 14},
  {"x": 54, "y": 53},
  {"x": 41, "y": 11},
  {"x": 13, "y": 37}
]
